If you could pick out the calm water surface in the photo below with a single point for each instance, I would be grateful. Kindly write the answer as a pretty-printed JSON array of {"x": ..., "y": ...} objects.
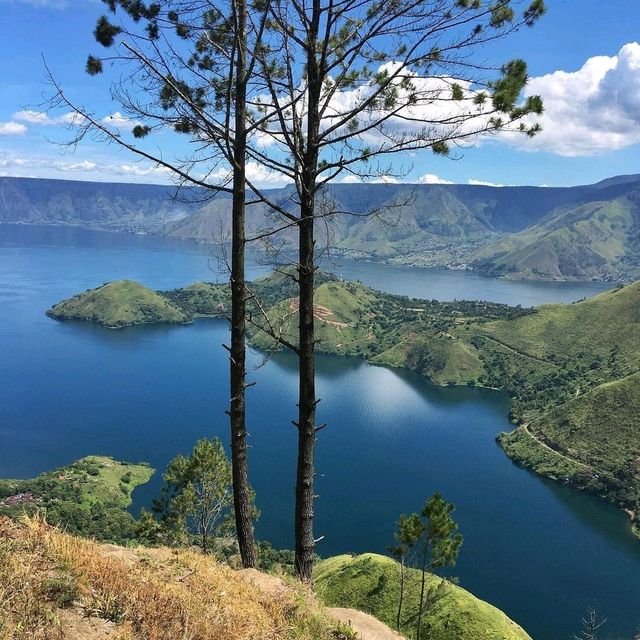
[{"x": 539, "y": 551}]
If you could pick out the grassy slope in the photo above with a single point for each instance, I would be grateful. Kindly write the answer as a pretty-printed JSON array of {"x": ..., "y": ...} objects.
[
  {"x": 586, "y": 406},
  {"x": 592, "y": 441},
  {"x": 201, "y": 299},
  {"x": 119, "y": 304},
  {"x": 51, "y": 582},
  {"x": 608, "y": 321},
  {"x": 345, "y": 328},
  {"x": 443, "y": 358},
  {"x": 370, "y": 582},
  {"x": 587, "y": 241}
]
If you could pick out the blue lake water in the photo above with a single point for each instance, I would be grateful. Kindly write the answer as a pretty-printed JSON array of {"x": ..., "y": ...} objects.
[{"x": 540, "y": 551}]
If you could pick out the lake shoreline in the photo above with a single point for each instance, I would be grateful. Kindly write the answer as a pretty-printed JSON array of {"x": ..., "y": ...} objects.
[
  {"x": 345, "y": 254},
  {"x": 393, "y": 438}
]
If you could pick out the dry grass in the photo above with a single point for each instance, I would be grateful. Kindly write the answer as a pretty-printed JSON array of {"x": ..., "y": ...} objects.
[{"x": 146, "y": 594}]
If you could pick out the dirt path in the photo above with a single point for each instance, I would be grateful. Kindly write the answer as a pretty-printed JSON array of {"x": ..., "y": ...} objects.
[
  {"x": 367, "y": 627},
  {"x": 525, "y": 427},
  {"x": 524, "y": 354}
]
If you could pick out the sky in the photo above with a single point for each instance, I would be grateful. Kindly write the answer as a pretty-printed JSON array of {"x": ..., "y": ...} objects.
[{"x": 583, "y": 59}]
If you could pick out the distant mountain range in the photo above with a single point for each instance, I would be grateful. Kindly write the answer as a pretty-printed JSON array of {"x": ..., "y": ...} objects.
[{"x": 584, "y": 232}]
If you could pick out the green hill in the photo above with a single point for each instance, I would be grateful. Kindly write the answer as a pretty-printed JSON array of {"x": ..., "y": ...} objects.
[
  {"x": 119, "y": 304},
  {"x": 88, "y": 497},
  {"x": 201, "y": 299},
  {"x": 55, "y": 585},
  {"x": 591, "y": 441},
  {"x": 370, "y": 582},
  {"x": 594, "y": 240},
  {"x": 548, "y": 357}
]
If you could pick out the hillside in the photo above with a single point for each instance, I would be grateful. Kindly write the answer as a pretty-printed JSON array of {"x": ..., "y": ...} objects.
[
  {"x": 598, "y": 240},
  {"x": 119, "y": 304},
  {"x": 592, "y": 441},
  {"x": 88, "y": 497},
  {"x": 527, "y": 232},
  {"x": 370, "y": 582},
  {"x": 55, "y": 585},
  {"x": 96, "y": 205}
]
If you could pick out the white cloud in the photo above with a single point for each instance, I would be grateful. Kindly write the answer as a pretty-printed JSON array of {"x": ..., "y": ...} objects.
[
  {"x": 350, "y": 178},
  {"x": 12, "y": 129},
  {"x": 385, "y": 180},
  {"x": 105, "y": 171},
  {"x": 432, "y": 178},
  {"x": 51, "y": 167},
  {"x": 32, "y": 117},
  {"x": 118, "y": 119},
  {"x": 484, "y": 183},
  {"x": 256, "y": 174},
  {"x": 42, "y": 118},
  {"x": 593, "y": 110}
]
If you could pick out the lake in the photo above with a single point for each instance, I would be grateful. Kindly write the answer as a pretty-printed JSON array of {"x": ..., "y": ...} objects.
[{"x": 541, "y": 552}]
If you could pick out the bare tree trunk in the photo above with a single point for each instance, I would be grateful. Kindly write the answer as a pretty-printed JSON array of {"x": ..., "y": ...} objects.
[
  {"x": 307, "y": 402},
  {"x": 305, "y": 542},
  {"x": 237, "y": 412},
  {"x": 422, "y": 589},
  {"x": 398, "y": 617}
]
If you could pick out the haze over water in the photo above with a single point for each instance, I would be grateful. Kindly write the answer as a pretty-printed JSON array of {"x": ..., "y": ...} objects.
[{"x": 539, "y": 551}]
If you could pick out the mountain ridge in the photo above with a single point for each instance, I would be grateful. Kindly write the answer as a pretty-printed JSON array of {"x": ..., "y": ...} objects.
[{"x": 516, "y": 232}]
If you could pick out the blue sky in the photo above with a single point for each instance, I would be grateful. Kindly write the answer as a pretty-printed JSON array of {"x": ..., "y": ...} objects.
[{"x": 583, "y": 58}]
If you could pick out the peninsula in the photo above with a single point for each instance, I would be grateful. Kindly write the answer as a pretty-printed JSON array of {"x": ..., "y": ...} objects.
[{"x": 572, "y": 370}]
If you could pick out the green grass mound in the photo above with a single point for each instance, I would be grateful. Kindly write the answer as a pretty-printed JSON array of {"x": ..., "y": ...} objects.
[
  {"x": 120, "y": 304},
  {"x": 202, "y": 299},
  {"x": 442, "y": 358},
  {"x": 370, "y": 582}
]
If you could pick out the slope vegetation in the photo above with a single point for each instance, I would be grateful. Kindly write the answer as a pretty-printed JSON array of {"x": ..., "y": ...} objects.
[
  {"x": 53, "y": 585},
  {"x": 594, "y": 240},
  {"x": 57, "y": 586},
  {"x": 370, "y": 582},
  {"x": 119, "y": 304},
  {"x": 591, "y": 441}
]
